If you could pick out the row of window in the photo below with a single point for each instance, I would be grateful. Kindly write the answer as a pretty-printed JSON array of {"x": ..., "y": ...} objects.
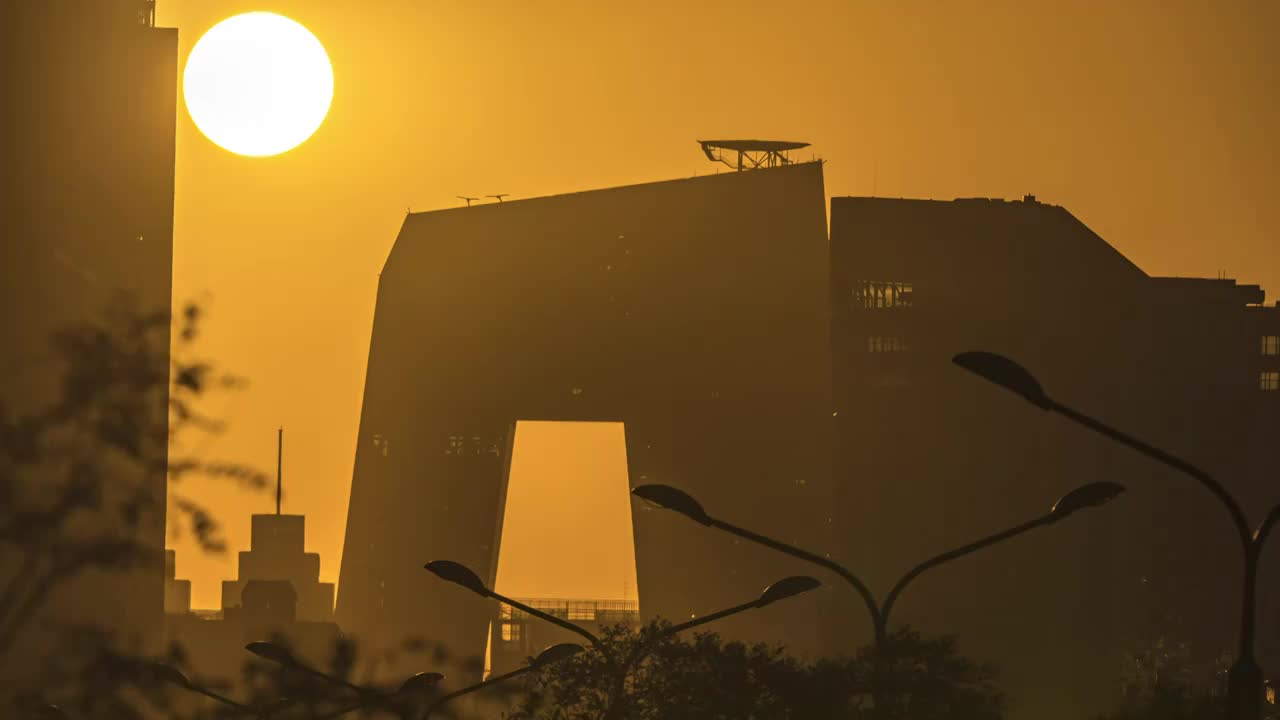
[
  {"x": 874, "y": 295},
  {"x": 1270, "y": 380},
  {"x": 1271, "y": 344},
  {"x": 882, "y": 344}
]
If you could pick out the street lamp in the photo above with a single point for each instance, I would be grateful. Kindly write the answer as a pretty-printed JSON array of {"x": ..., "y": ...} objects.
[
  {"x": 1245, "y": 682},
  {"x": 413, "y": 685},
  {"x": 173, "y": 676},
  {"x": 553, "y": 654},
  {"x": 1085, "y": 496},
  {"x": 281, "y": 655},
  {"x": 461, "y": 575}
]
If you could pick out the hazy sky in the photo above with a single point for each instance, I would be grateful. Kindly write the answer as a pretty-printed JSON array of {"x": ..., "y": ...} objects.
[{"x": 1153, "y": 121}]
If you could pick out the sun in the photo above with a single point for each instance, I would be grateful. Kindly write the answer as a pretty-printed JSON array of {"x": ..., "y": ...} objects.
[{"x": 258, "y": 84}]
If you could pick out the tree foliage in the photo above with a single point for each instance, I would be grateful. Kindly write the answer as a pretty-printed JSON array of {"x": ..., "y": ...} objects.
[
  {"x": 83, "y": 477},
  {"x": 705, "y": 677}
]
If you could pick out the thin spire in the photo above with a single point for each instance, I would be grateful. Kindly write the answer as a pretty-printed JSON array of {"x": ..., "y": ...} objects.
[{"x": 279, "y": 466}]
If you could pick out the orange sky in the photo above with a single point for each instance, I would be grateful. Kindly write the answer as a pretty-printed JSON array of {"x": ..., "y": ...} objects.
[{"x": 1151, "y": 120}]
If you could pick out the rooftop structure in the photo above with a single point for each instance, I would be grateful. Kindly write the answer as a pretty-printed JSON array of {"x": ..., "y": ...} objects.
[{"x": 751, "y": 154}]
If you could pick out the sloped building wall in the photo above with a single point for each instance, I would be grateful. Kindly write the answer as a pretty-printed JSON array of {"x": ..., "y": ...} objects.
[{"x": 694, "y": 311}]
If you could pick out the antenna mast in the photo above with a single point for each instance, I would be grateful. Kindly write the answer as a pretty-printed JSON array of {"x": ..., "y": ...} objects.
[{"x": 279, "y": 466}]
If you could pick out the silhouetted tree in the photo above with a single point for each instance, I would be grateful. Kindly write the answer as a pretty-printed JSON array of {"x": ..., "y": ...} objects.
[
  {"x": 82, "y": 480},
  {"x": 1164, "y": 681},
  {"x": 706, "y": 677}
]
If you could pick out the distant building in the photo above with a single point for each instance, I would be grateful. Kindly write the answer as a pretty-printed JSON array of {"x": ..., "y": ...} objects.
[
  {"x": 89, "y": 96},
  {"x": 804, "y": 387},
  {"x": 694, "y": 311},
  {"x": 517, "y": 636},
  {"x": 177, "y": 593},
  {"x": 277, "y": 595},
  {"x": 930, "y": 457},
  {"x": 276, "y": 552}
]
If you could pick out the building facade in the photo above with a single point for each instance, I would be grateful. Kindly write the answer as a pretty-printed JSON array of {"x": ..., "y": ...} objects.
[
  {"x": 277, "y": 596},
  {"x": 89, "y": 91},
  {"x": 666, "y": 306},
  {"x": 515, "y": 636},
  {"x": 277, "y": 552},
  {"x": 930, "y": 457},
  {"x": 685, "y": 309}
]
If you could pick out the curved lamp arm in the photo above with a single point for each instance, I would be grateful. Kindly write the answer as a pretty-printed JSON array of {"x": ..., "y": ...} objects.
[
  {"x": 1228, "y": 501},
  {"x": 576, "y": 629},
  {"x": 493, "y": 680},
  {"x": 867, "y": 598},
  {"x": 913, "y": 573}
]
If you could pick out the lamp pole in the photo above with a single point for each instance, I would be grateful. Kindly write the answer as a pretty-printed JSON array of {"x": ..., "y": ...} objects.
[
  {"x": 553, "y": 654},
  {"x": 461, "y": 575},
  {"x": 367, "y": 697},
  {"x": 414, "y": 684},
  {"x": 173, "y": 676},
  {"x": 1245, "y": 684},
  {"x": 670, "y": 498}
]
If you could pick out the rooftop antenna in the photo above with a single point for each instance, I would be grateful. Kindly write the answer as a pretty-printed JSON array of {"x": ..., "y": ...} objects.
[
  {"x": 499, "y": 196},
  {"x": 279, "y": 466},
  {"x": 468, "y": 199}
]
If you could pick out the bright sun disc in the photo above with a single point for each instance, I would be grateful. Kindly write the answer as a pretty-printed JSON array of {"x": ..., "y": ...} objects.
[{"x": 258, "y": 84}]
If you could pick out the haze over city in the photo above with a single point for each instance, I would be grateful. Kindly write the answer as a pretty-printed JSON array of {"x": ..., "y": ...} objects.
[
  {"x": 1151, "y": 121},
  {"x": 603, "y": 361}
]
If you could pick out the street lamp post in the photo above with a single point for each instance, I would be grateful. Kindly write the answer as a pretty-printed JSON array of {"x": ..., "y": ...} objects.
[
  {"x": 367, "y": 697},
  {"x": 553, "y": 654},
  {"x": 413, "y": 685},
  {"x": 670, "y": 498},
  {"x": 173, "y": 676},
  {"x": 461, "y": 575},
  {"x": 1245, "y": 681}
]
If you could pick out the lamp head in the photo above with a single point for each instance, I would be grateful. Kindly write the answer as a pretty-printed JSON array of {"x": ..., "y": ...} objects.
[
  {"x": 270, "y": 651},
  {"x": 1086, "y": 496},
  {"x": 1006, "y": 373},
  {"x": 458, "y": 574},
  {"x": 787, "y": 587},
  {"x": 555, "y": 654},
  {"x": 421, "y": 682},
  {"x": 669, "y": 498}
]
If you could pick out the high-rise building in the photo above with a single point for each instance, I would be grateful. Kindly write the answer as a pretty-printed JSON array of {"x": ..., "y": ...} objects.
[
  {"x": 694, "y": 311},
  {"x": 89, "y": 91},
  {"x": 687, "y": 310},
  {"x": 928, "y": 457}
]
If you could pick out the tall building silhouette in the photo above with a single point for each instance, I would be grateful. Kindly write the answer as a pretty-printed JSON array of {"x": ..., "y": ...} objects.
[
  {"x": 686, "y": 309},
  {"x": 277, "y": 553},
  {"x": 928, "y": 457},
  {"x": 89, "y": 91},
  {"x": 277, "y": 595},
  {"x": 694, "y": 311}
]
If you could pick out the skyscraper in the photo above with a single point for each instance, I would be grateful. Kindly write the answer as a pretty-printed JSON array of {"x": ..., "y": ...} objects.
[
  {"x": 930, "y": 458},
  {"x": 89, "y": 96},
  {"x": 694, "y": 311}
]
